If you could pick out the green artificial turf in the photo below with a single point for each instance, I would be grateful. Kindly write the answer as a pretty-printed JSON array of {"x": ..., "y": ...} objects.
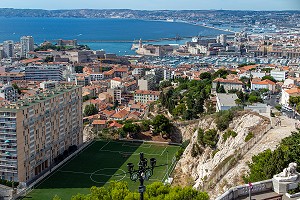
[{"x": 100, "y": 163}]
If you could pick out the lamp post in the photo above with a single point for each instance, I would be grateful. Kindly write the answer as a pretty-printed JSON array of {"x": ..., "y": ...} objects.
[{"x": 143, "y": 172}]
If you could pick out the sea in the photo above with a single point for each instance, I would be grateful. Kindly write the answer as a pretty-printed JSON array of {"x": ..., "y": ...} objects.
[{"x": 111, "y": 35}]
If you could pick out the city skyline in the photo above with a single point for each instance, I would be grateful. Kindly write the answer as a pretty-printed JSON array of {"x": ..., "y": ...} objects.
[{"x": 156, "y": 4}]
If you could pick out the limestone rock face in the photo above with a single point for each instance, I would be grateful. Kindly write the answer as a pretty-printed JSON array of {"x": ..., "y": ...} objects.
[{"x": 193, "y": 170}]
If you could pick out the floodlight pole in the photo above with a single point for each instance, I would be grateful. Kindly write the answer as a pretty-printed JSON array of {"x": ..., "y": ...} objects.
[{"x": 143, "y": 173}]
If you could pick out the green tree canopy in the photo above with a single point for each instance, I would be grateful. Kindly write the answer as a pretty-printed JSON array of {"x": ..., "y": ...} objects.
[
  {"x": 161, "y": 124},
  {"x": 271, "y": 78},
  {"x": 154, "y": 191},
  {"x": 131, "y": 128},
  {"x": 90, "y": 110},
  {"x": 268, "y": 163},
  {"x": 206, "y": 75}
]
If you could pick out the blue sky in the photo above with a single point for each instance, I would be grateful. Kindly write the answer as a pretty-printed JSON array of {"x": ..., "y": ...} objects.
[{"x": 156, "y": 4}]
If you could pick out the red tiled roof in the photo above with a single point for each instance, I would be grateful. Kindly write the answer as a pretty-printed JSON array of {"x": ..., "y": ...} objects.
[
  {"x": 121, "y": 114},
  {"x": 293, "y": 91},
  {"x": 221, "y": 80},
  {"x": 149, "y": 92},
  {"x": 117, "y": 79},
  {"x": 264, "y": 82},
  {"x": 99, "y": 122},
  {"x": 115, "y": 124}
]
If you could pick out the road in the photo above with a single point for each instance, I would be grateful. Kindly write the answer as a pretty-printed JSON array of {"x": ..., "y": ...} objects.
[{"x": 273, "y": 101}]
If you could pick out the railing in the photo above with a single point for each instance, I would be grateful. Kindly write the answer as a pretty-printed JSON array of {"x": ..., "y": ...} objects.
[{"x": 243, "y": 190}]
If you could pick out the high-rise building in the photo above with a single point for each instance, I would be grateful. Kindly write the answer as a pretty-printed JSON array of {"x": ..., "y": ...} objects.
[
  {"x": 8, "y": 49},
  {"x": 37, "y": 131},
  {"x": 44, "y": 73},
  {"x": 9, "y": 93},
  {"x": 27, "y": 44}
]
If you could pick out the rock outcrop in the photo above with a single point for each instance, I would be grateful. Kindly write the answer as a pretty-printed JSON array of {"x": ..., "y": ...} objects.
[{"x": 194, "y": 170}]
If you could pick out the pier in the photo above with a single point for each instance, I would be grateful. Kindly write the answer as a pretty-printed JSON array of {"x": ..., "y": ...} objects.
[{"x": 132, "y": 41}]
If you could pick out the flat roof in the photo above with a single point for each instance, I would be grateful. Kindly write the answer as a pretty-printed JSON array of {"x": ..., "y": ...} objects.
[
  {"x": 42, "y": 98},
  {"x": 227, "y": 99}
]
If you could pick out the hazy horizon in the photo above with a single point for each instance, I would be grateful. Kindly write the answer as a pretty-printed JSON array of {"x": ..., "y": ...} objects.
[{"x": 253, "y": 5}]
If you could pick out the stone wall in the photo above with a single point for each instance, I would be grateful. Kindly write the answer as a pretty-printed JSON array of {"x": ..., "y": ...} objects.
[{"x": 243, "y": 190}]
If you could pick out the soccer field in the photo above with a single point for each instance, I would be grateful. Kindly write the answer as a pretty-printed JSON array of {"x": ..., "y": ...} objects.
[{"x": 101, "y": 162}]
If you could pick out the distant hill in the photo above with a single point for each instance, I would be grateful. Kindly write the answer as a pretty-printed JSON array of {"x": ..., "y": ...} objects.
[{"x": 126, "y": 13}]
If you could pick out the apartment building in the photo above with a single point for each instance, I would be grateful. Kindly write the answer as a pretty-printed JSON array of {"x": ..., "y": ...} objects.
[
  {"x": 279, "y": 75},
  {"x": 44, "y": 73},
  {"x": 228, "y": 84},
  {"x": 145, "y": 96},
  {"x": 8, "y": 48},
  {"x": 6, "y": 77},
  {"x": 9, "y": 93},
  {"x": 35, "y": 131},
  {"x": 27, "y": 44}
]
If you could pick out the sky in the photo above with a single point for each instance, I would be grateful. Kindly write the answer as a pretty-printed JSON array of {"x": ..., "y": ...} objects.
[{"x": 155, "y": 4}]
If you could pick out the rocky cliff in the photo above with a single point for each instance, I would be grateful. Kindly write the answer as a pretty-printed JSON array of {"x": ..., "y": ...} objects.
[{"x": 197, "y": 168}]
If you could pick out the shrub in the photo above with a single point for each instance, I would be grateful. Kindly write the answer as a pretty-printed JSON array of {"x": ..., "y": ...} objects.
[
  {"x": 200, "y": 136},
  {"x": 229, "y": 133},
  {"x": 196, "y": 150},
  {"x": 223, "y": 119},
  {"x": 211, "y": 138},
  {"x": 249, "y": 136},
  {"x": 278, "y": 107},
  {"x": 214, "y": 152}
]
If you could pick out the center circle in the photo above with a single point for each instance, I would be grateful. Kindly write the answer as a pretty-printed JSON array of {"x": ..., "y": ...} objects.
[{"x": 98, "y": 172}]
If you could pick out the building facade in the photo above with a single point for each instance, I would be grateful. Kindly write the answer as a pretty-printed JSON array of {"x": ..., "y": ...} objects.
[
  {"x": 145, "y": 96},
  {"x": 8, "y": 49},
  {"x": 9, "y": 93},
  {"x": 35, "y": 131},
  {"x": 279, "y": 75},
  {"x": 44, "y": 73},
  {"x": 27, "y": 44}
]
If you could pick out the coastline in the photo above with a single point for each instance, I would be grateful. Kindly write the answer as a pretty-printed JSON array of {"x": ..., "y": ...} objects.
[{"x": 184, "y": 22}]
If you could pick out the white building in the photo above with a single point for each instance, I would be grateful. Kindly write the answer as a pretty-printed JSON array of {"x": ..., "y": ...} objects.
[
  {"x": 145, "y": 96},
  {"x": 286, "y": 94},
  {"x": 279, "y": 75},
  {"x": 96, "y": 76},
  {"x": 27, "y": 44},
  {"x": 8, "y": 49},
  {"x": 46, "y": 85},
  {"x": 138, "y": 71},
  {"x": 265, "y": 84},
  {"x": 115, "y": 82}
]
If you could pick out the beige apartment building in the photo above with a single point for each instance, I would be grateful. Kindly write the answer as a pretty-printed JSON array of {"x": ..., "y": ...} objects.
[
  {"x": 34, "y": 131},
  {"x": 144, "y": 96}
]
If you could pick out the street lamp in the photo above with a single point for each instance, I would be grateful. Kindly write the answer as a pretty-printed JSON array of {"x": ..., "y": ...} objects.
[{"x": 144, "y": 172}]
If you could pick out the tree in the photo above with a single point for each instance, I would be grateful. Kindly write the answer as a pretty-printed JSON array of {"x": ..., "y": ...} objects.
[
  {"x": 116, "y": 104},
  {"x": 218, "y": 86},
  {"x": 131, "y": 128},
  {"x": 205, "y": 75},
  {"x": 145, "y": 126},
  {"x": 90, "y": 110},
  {"x": 221, "y": 89},
  {"x": 238, "y": 102},
  {"x": 161, "y": 124},
  {"x": 268, "y": 163},
  {"x": 16, "y": 87},
  {"x": 79, "y": 69},
  {"x": 156, "y": 190},
  {"x": 181, "y": 108},
  {"x": 49, "y": 59},
  {"x": 271, "y": 78}
]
